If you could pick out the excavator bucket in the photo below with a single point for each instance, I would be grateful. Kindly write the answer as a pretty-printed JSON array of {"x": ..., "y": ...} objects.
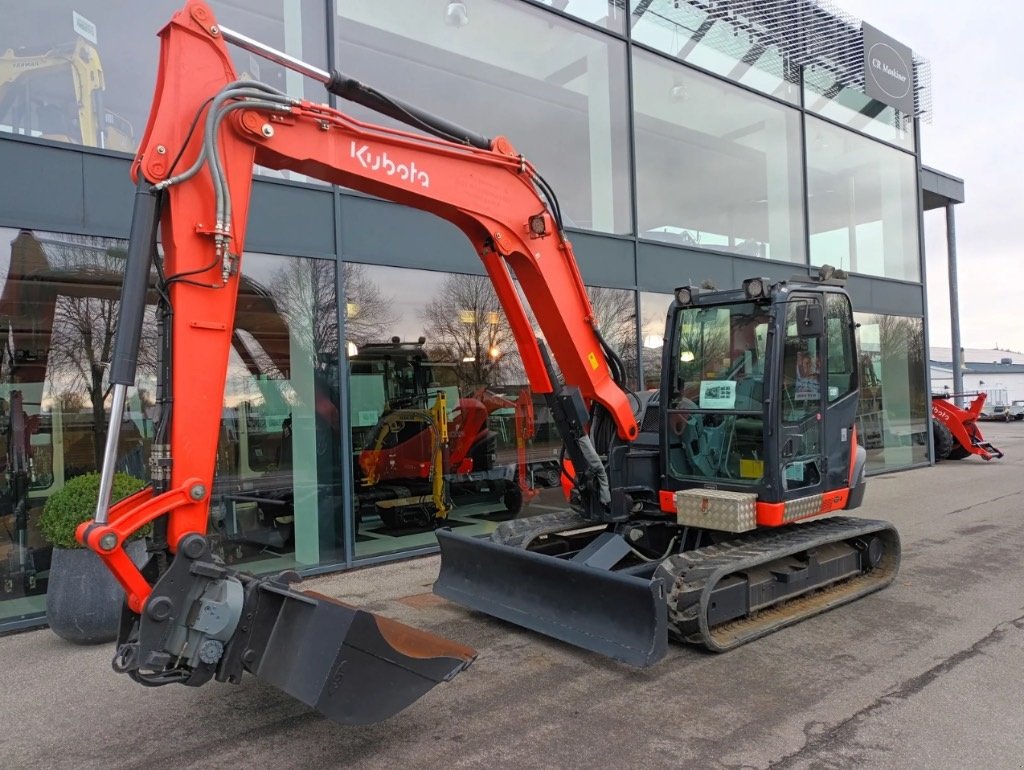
[
  {"x": 203, "y": 619},
  {"x": 352, "y": 666},
  {"x": 618, "y": 615}
]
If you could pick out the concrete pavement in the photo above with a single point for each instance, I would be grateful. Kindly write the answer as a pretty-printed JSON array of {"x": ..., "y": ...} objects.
[{"x": 926, "y": 674}]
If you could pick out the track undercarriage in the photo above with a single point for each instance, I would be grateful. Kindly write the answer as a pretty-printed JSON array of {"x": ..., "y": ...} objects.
[{"x": 589, "y": 586}]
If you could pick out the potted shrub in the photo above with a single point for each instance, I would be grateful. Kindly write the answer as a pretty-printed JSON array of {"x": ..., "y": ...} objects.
[{"x": 83, "y": 601}]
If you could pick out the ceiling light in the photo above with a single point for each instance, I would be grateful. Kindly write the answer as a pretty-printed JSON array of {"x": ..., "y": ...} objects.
[{"x": 455, "y": 15}]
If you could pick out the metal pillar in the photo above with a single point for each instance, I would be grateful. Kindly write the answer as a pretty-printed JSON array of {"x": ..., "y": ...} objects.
[{"x": 954, "y": 305}]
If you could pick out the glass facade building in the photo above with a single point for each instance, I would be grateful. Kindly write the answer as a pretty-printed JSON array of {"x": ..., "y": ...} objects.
[{"x": 684, "y": 147}]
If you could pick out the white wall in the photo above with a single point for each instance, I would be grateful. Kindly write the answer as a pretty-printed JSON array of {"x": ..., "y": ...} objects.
[{"x": 1002, "y": 388}]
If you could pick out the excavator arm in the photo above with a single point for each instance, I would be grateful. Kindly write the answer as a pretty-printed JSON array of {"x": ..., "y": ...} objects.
[{"x": 189, "y": 618}]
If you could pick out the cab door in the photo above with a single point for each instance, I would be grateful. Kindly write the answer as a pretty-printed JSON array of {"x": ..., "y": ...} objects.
[
  {"x": 802, "y": 457},
  {"x": 841, "y": 390}
]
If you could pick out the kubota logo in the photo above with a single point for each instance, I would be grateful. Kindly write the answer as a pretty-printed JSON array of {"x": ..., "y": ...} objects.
[{"x": 407, "y": 172}]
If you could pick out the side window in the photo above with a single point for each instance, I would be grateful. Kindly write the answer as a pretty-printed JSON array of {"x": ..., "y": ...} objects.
[
  {"x": 842, "y": 373},
  {"x": 803, "y": 378},
  {"x": 801, "y": 368}
]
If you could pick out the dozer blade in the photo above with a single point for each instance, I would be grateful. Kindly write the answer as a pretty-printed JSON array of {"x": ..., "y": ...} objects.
[
  {"x": 614, "y": 614},
  {"x": 352, "y": 666}
]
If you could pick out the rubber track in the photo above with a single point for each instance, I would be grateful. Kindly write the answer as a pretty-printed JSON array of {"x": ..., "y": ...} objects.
[
  {"x": 692, "y": 575},
  {"x": 519, "y": 533}
]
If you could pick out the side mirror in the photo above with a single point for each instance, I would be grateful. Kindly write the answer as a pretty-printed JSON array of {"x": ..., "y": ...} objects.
[{"x": 810, "y": 320}]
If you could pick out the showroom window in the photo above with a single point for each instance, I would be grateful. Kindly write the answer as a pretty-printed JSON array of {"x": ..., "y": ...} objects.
[
  {"x": 615, "y": 312},
  {"x": 824, "y": 95},
  {"x": 412, "y": 335},
  {"x": 276, "y": 500},
  {"x": 296, "y": 27},
  {"x": 58, "y": 315},
  {"x": 277, "y": 494},
  {"x": 736, "y": 48},
  {"x": 862, "y": 204},
  {"x": 57, "y": 44},
  {"x": 653, "y": 312},
  {"x": 609, "y": 14},
  {"x": 717, "y": 167},
  {"x": 556, "y": 89},
  {"x": 893, "y": 415}
]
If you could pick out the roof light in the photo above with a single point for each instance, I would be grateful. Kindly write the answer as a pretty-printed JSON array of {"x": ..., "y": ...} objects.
[
  {"x": 756, "y": 288},
  {"x": 687, "y": 295}
]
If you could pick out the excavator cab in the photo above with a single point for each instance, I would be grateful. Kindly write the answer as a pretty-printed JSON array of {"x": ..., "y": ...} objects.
[
  {"x": 760, "y": 393},
  {"x": 751, "y": 430}
]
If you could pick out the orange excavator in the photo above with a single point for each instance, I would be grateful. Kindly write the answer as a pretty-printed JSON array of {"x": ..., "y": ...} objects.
[
  {"x": 955, "y": 429},
  {"x": 682, "y": 500},
  {"x": 409, "y": 449}
]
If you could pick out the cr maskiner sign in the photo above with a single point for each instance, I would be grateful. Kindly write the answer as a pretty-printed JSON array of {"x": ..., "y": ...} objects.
[{"x": 888, "y": 70}]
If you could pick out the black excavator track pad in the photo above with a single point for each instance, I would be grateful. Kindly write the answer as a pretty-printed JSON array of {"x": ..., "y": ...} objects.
[{"x": 728, "y": 594}]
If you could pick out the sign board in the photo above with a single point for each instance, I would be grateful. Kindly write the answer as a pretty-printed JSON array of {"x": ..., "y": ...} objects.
[
  {"x": 718, "y": 394},
  {"x": 888, "y": 70},
  {"x": 84, "y": 27}
]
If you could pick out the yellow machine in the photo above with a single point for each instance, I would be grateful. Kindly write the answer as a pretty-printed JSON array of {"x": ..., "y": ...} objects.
[
  {"x": 436, "y": 420},
  {"x": 58, "y": 94}
]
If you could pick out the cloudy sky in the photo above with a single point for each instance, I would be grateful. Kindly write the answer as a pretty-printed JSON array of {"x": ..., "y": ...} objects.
[{"x": 977, "y": 88}]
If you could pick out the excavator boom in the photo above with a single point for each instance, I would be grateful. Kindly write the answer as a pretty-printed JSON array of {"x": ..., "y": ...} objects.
[{"x": 188, "y": 617}]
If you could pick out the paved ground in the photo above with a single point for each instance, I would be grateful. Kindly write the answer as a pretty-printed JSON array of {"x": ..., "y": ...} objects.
[{"x": 927, "y": 674}]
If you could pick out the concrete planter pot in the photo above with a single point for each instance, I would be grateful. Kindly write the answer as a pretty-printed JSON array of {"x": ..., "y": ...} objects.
[{"x": 83, "y": 601}]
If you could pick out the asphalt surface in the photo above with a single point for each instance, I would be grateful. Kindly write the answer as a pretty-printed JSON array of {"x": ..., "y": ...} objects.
[{"x": 926, "y": 674}]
